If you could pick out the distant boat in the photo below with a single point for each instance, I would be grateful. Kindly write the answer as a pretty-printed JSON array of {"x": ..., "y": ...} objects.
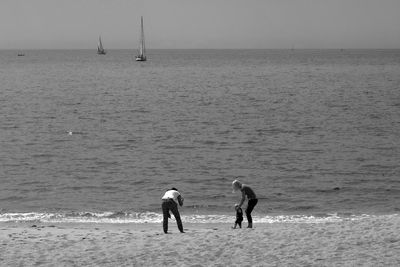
[
  {"x": 100, "y": 49},
  {"x": 21, "y": 54},
  {"x": 141, "y": 56}
]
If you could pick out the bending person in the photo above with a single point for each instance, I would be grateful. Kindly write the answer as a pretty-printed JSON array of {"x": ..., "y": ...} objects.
[
  {"x": 169, "y": 203},
  {"x": 251, "y": 196}
]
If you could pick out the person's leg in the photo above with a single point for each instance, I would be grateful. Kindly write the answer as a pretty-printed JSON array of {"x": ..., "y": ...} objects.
[
  {"x": 174, "y": 210},
  {"x": 250, "y": 206},
  {"x": 165, "y": 210}
]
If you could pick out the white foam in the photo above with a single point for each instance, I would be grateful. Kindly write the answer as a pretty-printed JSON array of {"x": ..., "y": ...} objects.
[{"x": 152, "y": 217}]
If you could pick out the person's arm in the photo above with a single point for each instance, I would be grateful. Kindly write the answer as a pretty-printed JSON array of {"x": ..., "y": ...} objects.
[
  {"x": 242, "y": 200},
  {"x": 180, "y": 200}
]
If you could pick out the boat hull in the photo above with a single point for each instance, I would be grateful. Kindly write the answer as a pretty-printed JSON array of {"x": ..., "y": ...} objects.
[{"x": 140, "y": 58}]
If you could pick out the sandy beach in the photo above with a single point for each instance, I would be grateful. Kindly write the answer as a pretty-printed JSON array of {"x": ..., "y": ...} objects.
[{"x": 369, "y": 242}]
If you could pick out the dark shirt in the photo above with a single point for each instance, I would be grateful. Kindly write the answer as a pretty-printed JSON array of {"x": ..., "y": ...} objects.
[{"x": 248, "y": 192}]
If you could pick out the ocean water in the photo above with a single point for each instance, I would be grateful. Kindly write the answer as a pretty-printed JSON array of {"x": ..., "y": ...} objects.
[{"x": 84, "y": 137}]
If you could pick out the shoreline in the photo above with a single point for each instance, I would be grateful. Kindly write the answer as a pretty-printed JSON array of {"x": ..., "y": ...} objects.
[
  {"x": 154, "y": 218},
  {"x": 347, "y": 243}
]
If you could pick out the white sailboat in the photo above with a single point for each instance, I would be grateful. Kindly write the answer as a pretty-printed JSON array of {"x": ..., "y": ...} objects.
[
  {"x": 141, "y": 56},
  {"x": 100, "y": 49}
]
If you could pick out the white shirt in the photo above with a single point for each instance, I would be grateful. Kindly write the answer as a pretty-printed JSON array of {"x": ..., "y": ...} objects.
[{"x": 172, "y": 194}]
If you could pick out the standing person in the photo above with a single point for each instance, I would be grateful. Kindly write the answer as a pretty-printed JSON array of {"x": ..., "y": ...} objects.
[
  {"x": 251, "y": 196},
  {"x": 239, "y": 217},
  {"x": 170, "y": 202}
]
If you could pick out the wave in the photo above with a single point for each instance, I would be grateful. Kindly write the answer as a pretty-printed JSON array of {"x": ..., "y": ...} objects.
[{"x": 152, "y": 217}]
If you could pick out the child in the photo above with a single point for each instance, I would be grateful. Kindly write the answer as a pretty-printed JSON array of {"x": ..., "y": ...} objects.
[{"x": 239, "y": 216}]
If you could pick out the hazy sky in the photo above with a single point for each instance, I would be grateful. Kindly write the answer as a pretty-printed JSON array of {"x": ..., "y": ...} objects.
[{"x": 73, "y": 24}]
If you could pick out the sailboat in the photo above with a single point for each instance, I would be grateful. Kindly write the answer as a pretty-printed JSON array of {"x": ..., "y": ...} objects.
[
  {"x": 141, "y": 56},
  {"x": 100, "y": 49}
]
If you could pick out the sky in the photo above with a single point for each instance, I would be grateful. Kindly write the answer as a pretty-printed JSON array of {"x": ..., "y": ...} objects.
[{"x": 200, "y": 24}]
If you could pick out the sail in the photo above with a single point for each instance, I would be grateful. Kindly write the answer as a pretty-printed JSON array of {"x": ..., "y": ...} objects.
[
  {"x": 100, "y": 49},
  {"x": 142, "y": 48},
  {"x": 100, "y": 44}
]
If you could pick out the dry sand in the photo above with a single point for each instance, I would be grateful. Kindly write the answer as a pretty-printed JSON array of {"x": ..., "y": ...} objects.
[{"x": 372, "y": 242}]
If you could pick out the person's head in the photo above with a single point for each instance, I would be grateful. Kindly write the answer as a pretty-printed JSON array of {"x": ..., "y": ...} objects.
[
  {"x": 236, "y": 185},
  {"x": 173, "y": 188}
]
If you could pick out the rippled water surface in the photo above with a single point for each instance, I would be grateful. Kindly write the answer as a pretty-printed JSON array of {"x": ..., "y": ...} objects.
[{"x": 312, "y": 131}]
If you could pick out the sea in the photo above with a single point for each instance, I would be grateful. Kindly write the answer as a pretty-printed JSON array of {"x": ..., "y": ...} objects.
[{"x": 100, "y": 138}]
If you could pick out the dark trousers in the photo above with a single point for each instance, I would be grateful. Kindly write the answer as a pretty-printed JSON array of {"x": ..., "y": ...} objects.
[
  {"x": 170, "y": 205},
  {"x": 239, "y": 222},
  {"x": 250, "y": 206}
]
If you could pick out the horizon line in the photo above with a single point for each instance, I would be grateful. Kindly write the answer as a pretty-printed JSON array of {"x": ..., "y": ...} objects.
[{"x": 291, "y": 49}]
